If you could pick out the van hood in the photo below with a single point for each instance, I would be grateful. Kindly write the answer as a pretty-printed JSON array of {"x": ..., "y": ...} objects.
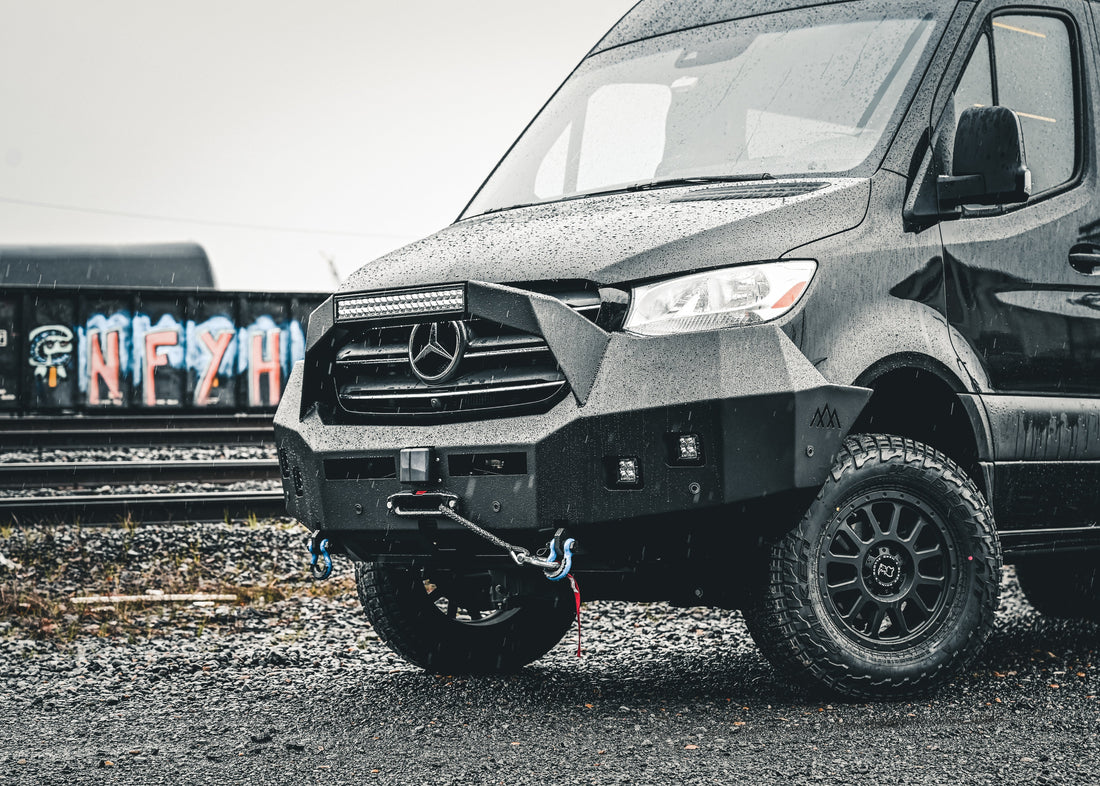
[{"x": 621, "y": 238}]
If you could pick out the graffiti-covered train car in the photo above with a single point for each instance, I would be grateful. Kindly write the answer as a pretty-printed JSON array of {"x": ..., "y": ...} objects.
[{"x": 154, "y": 338}]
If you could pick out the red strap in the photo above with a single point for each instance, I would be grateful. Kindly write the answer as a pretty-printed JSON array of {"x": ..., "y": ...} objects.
[{"x": 577, "y": 600}]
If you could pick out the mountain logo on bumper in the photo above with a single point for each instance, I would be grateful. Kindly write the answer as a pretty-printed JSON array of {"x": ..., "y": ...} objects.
[{"x": 825, "y": 417}]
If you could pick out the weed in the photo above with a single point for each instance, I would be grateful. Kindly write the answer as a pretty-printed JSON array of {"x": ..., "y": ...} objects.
[{"x": 35, "y": 605}]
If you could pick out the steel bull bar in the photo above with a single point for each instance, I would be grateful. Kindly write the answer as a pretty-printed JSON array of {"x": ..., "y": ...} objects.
[{"x": 744, "y": 388}]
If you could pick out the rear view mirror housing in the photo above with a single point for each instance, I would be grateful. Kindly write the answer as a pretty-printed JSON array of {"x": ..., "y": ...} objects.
[{"x": 989, "y": 162}]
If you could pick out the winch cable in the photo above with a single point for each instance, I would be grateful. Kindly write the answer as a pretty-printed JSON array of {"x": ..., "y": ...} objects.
[{"x": 555, "y": 569}]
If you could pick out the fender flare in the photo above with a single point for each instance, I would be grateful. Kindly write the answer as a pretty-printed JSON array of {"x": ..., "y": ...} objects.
[{"x": 969, "y": 399}]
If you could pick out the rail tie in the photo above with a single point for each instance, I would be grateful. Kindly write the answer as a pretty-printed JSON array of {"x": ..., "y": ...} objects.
[{"x": 115, "y": 509}]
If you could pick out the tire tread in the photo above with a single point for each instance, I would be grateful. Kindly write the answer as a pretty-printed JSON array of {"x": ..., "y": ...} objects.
[{"x": 783, "y": 622}]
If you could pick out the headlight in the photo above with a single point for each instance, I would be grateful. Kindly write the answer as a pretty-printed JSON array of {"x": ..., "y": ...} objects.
[{"x": 733, "y": 296}]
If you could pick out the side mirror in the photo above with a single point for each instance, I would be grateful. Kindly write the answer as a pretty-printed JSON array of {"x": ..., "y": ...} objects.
[{"x": 988, "y": 157}]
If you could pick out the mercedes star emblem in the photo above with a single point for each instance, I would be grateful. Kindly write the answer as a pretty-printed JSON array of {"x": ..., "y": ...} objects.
[{"x": 436, "y": 349}]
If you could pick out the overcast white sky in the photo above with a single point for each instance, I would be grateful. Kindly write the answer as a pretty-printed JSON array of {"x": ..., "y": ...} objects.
[{"x": 368, "y": 123}]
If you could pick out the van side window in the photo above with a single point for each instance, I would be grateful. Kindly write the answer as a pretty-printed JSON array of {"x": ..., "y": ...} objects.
[
  {"x": 1034, "y": 66},
  {"x": 976, "y": 86},
  {"x": 1029, "y": 70}
]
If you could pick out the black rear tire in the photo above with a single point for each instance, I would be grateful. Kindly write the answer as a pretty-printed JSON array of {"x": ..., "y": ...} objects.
[
  {"x": 452, "y": 628},
  {"x": 889, "y": 583},
  {"x": 1063, "y": 586}
]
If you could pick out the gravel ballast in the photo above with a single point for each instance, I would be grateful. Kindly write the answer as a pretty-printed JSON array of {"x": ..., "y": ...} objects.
[{"x": 289, "y": 684}]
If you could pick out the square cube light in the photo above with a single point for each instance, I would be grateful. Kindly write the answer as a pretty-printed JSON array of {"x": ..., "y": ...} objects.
[
  {"x": 691, "y": 448},
  {"x": 622, "y": 472},
  {"x": 628, "y": 471}
]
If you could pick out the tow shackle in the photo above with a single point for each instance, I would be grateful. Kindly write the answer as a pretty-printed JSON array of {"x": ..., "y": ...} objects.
[
  {"x": 318, "y": 547},
  {"x": 561, "y": 552}
]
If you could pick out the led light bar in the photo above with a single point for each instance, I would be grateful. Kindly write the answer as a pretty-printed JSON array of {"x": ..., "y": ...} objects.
[{"x": 408, "y": 303}]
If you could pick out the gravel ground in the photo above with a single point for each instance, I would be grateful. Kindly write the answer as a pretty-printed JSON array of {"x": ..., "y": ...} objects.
[{"x": 289, "y": 684}]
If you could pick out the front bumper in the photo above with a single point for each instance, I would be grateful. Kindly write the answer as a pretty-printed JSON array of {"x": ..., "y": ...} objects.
[{"x": 768, "y": 421}]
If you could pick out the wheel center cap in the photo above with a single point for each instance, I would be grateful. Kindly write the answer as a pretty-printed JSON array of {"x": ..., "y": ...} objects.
[{"x": 885, "y": 569}]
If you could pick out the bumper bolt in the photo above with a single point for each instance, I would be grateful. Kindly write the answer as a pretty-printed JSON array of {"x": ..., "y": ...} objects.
[
  {"x": 496, "y": 506},
  {"x": 809, "y": 451},
  {"x": 358, "y": 509}
]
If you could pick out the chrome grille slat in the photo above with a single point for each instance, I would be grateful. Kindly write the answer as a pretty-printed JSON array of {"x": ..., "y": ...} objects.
[
  {"x": 380, "y": 361},
  {"x": 517, "y": 351},
  {"x": 494, "y": 342},
  {"x": 476, "y": 380},
  {"x": 453, "y": 393}
]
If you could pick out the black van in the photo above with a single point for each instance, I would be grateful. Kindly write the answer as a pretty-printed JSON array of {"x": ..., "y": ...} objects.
[{"x": 782, "y": 306}]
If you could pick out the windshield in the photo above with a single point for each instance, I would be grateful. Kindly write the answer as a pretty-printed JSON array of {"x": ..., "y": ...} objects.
[{"x": 807, "y": 91}]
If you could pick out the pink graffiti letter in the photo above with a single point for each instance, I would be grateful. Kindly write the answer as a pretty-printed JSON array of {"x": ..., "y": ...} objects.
[
  {"x": 258, "y": 364},
  {"x": 217, "y": 347},
  {"x": 153, "y": 358},
  {"x": 100, "y": 369}
]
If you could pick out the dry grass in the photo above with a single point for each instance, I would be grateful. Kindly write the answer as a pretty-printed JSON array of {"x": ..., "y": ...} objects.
[
  {"x": 32, "y": 614},
  {"x": 34, "y": 597}
]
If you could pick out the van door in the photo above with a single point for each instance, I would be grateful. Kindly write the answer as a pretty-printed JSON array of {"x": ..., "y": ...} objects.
[{"x": 1023, "y": 282}]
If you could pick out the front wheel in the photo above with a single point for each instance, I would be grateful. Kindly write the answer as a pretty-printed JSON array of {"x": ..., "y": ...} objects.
[
  {"x": 889, "y": 584},
  {"x": 448, "y": 623}
]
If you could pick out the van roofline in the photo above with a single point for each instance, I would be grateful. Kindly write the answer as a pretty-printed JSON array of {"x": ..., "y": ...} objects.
[{"x": 652, "y": 18}]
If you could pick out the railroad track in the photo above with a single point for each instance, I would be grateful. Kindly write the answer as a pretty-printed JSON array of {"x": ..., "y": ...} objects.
[
  {"x": 142, "y": 505},
  {"x": 31, "y": 433},
  {"x": 65, "y": 474},
  {"x": 159, "y": 508}
]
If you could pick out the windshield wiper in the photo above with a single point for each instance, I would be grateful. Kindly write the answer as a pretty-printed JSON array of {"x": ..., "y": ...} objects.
[
  {"x": 649, "y": 185},
  {"x": 701, "y": 180},
  {"x": 508, "y": 207}
]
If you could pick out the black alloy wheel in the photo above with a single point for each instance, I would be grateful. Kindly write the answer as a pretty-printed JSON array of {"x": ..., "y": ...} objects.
[
  {"x": 889, "y": 583},
  {"x": 448, "y": 624},
  {"x": 887, "y": 568},
  {"x": 461, "y": 601}
]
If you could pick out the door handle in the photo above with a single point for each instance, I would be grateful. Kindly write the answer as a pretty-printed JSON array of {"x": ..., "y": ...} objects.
[{"x": 1085, "y": 258}]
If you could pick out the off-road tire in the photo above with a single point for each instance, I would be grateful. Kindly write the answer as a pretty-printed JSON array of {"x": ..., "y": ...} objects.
[
  {"x": 1063, "y": 586},
  {"x": 801, "y": 629},
  {"x": 401, "y": 613}
]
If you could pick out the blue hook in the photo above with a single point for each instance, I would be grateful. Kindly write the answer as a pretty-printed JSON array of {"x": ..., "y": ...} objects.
[
  {"x": 566, "y": 565},
  {"x": 326, "y": 571}
]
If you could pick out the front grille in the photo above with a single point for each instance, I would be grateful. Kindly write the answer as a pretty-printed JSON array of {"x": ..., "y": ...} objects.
[{"x": 503, "y": 370}]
